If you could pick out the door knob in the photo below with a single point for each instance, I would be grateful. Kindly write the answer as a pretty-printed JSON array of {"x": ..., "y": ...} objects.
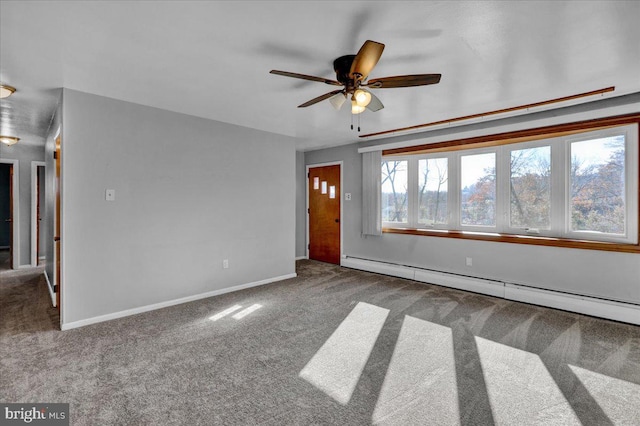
[{"x": 337, "y": 220}]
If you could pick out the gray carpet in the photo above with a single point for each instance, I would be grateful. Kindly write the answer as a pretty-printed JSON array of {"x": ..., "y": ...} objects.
[{"x": 332, "y": 346}]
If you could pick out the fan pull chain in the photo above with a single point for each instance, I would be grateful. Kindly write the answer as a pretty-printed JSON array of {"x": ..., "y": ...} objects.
[{"x": 358, "y": 121}]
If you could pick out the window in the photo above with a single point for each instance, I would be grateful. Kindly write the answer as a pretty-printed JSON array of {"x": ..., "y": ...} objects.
[
  {"x": 478, "y": 190},
  {"x": 582, "y": 186},
  {"x": 597, "y": 182},
  {"x": 530, "y": 189},
  {"x": 433, "y": 181},
  {"x": 394, "y": 192}
]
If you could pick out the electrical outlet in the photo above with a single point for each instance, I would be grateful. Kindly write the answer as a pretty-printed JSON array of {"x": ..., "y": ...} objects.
[
  {"x": 347, "y": 196},
  {"x": 469, "y": 261},
  {"x": 110, "y": 195},
  {"x": 225, "y": 264}
]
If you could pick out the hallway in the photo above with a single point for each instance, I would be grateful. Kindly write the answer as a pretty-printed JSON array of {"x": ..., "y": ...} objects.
[{"x": 4, "y": 260}]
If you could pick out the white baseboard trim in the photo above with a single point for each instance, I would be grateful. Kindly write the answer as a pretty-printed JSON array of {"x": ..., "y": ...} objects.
[
  {"x": 141, "y": 309},
  {"x": 50, "y": 288},
  {"x": 302, "y": 257},
  {"x": 618, "y": 311}
]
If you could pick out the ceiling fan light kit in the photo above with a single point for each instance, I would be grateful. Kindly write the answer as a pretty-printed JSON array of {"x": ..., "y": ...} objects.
[
  {"x": 355, "y": 108},
  {"x": 338, "y": 100},
  {"x": 352, "y": 72},
  {"x": 361, "y": 97}
]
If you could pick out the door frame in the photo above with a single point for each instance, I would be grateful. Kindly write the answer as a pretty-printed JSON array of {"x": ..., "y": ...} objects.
[
  {"x": 58, "y": 226},
  {"x": 34, "y": 210},
  {"x": 15, "y": 214},
  {"x": 312, "y": 166}
]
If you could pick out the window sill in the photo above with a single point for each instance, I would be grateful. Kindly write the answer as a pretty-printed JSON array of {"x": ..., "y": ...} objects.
[{"x": 519, "y": 239}]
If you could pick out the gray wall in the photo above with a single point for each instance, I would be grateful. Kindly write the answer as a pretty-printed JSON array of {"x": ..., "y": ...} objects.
[
  {"x": 25, "y": 152},
  {"x": 608, "y": 275},
  {"x": 190, "y": 192}
]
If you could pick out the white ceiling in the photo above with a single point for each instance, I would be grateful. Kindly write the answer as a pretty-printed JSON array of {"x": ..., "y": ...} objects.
[{"x": 212, "y": 59}]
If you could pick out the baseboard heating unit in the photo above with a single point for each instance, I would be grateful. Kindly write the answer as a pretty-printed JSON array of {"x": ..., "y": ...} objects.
[{"x": 618, "y": 311}]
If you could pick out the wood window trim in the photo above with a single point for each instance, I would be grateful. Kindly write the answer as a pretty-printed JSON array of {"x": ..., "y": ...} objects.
[
  {"x": 517, "y": 137},
  {"x": 519, "y": 239}
]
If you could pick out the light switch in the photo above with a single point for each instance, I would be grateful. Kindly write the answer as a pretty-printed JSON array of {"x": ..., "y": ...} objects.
[{"x": 110, "y": 195}]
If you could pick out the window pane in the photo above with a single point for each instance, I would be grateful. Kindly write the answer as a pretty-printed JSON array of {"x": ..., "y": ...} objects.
[
  {"x": 433, "y": 175},
  {"x": 530, "y": 190},
  {"x": 478, "y": 190},
  {"x": 394, "y": 191},
  {"x": 597, "y": 185}
]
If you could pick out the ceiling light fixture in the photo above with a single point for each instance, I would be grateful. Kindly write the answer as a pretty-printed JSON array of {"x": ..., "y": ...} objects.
[
  {"x": 6, "y": 91},
  {"x": 362, "y": 97},
  {"x": 9, "y": 140},
  {"x": 355, "y": 108},
  {"x": 338, "y": 100}
]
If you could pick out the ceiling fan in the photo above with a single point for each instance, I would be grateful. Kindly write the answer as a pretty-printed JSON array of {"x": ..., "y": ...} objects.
[{"x": 352, "y": 72}]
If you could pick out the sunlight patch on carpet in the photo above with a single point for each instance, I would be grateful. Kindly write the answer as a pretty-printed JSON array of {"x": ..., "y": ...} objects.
[
  {"x": 619, "y": 399},
  {"x": 420, "y": 384},
  {"x": 521, "y": 389},
  {"x": 247, "y": 311},
  {"x": 336, "y": 368},
  {"x": 224, "y": 313}
]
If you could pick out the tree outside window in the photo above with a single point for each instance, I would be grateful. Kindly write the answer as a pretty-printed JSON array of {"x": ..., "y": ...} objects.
[
  {"x": 597, "y": 185},
  {"x": 530, "y": 188},
  {"x": 433, "y": 177},
  {"x": 394, "y": 191},
  {"x": 478, "y": 193}
]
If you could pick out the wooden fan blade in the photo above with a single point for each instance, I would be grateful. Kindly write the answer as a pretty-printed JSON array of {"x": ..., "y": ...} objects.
[
  {"x": 319, "y": 98},
  {"x": 305, "y": 77},
  {"x": 404, "y": 81},
  {"x": 374, "y": 104},
  {"x": 366, "y": 59}
]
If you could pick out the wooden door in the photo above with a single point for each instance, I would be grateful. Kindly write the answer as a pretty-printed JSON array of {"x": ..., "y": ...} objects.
[
  {"x": 56, "y": 238},
  {"x": 324, "y": 214}
]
